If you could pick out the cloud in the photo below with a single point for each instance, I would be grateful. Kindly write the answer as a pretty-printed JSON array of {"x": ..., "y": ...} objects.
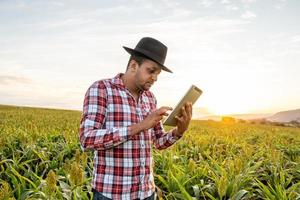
[
  {"x": 280, "y": 4},
  {"x": 248, "y": 1},
  {"x": 7, "y": 80},
  {"x": 277, "y": 6},
  {"x": 206, "y": 3},
  {"x": 231, "y": 7},
  {"x": 170, "y": 3},
  {"x": 67, "y": 23},
  {"x": 295, "y": 39},
  {"x": 248, "y": 15},
  {"x": 225, "y": 2}
]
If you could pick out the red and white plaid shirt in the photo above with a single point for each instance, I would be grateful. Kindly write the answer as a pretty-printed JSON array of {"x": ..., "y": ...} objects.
[{"x": 122, "y": 163}]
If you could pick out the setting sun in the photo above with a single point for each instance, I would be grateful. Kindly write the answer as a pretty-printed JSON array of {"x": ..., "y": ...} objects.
[{"x": 228, "y": 106}]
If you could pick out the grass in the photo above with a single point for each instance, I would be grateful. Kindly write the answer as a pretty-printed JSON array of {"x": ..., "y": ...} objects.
[{"x": 40, "y": 158}]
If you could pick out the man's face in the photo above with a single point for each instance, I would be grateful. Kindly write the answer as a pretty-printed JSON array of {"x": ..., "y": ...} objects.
[{"x": 147, "y": 74}]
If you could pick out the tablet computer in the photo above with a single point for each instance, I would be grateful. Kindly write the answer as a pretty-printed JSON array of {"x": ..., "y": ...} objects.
[{"x": 190, "y": 96}]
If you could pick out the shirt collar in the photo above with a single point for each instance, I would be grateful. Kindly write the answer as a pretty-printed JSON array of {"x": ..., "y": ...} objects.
[{"x": 117, "y": 81}]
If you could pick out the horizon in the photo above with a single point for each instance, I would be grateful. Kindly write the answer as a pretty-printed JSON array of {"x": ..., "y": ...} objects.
[
  {"x": 196, "y": 116},
  {"x": 245, "y": 60}
]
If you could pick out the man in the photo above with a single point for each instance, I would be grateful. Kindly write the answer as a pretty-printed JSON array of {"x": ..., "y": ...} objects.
[{"x": 120, "y": 122}]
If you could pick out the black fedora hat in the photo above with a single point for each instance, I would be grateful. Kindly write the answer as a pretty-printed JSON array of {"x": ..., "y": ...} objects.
[{"x": 152, "y": 49}]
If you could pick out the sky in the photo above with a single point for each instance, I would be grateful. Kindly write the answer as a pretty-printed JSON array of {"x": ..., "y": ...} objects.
[{"x": 243, "y": 54}]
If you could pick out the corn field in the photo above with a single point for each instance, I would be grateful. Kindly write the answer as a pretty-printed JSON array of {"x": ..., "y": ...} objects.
[{"x": 40, "y": 158}]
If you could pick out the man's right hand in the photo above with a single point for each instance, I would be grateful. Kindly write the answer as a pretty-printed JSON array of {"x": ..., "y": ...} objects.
[
  {"x": 153, "y": 118},
  {"x": 150, "y": 121}
]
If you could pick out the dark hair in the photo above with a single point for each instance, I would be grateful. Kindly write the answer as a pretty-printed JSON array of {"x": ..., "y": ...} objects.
[{"x": 138, "y": 58}]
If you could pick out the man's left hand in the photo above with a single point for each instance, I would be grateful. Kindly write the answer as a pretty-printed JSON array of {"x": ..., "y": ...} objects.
[{"x": 185, "y": 118}]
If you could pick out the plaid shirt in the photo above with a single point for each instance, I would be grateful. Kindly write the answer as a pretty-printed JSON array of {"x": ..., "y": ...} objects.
[{"x": 122, "y": 163}]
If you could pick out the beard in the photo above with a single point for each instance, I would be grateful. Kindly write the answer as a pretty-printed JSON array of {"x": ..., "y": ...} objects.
[{"x": 144, "y": 86}]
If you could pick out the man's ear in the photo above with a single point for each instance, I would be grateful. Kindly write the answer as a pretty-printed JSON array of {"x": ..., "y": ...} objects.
[{"x": 133, "y": 65}]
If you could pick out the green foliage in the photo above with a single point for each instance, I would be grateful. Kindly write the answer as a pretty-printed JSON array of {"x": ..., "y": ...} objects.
[{"x": 40, "y": 158}]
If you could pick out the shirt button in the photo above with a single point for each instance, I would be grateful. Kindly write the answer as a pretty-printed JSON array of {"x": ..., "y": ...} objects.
[{"x": 142, "y": 145}]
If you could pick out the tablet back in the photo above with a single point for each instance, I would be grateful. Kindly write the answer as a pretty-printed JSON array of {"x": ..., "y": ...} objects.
[{"x": 190, "y": 96}]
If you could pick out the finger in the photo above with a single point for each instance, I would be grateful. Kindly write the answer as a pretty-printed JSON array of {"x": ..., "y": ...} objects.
[
  {"x": 180, "y": 122},
  {"x": 166, "y": 108},
  {"x": 189, "y": 110},
  {"x": 165, "y": 114},
  {"x": 187, "y": 106},
  {"x": 158, "y": 118},
  {"x": 183, "y": 112},
  {"x": 179, "y": 119},
  {"x": 163, "y": 110}
]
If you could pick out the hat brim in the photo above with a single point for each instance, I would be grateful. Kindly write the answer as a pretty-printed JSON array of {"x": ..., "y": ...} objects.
[{"x": 134, "y": 52}]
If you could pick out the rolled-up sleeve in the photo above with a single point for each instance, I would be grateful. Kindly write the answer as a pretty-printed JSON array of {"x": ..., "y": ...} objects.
[{"x": 162, "y": 139}]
